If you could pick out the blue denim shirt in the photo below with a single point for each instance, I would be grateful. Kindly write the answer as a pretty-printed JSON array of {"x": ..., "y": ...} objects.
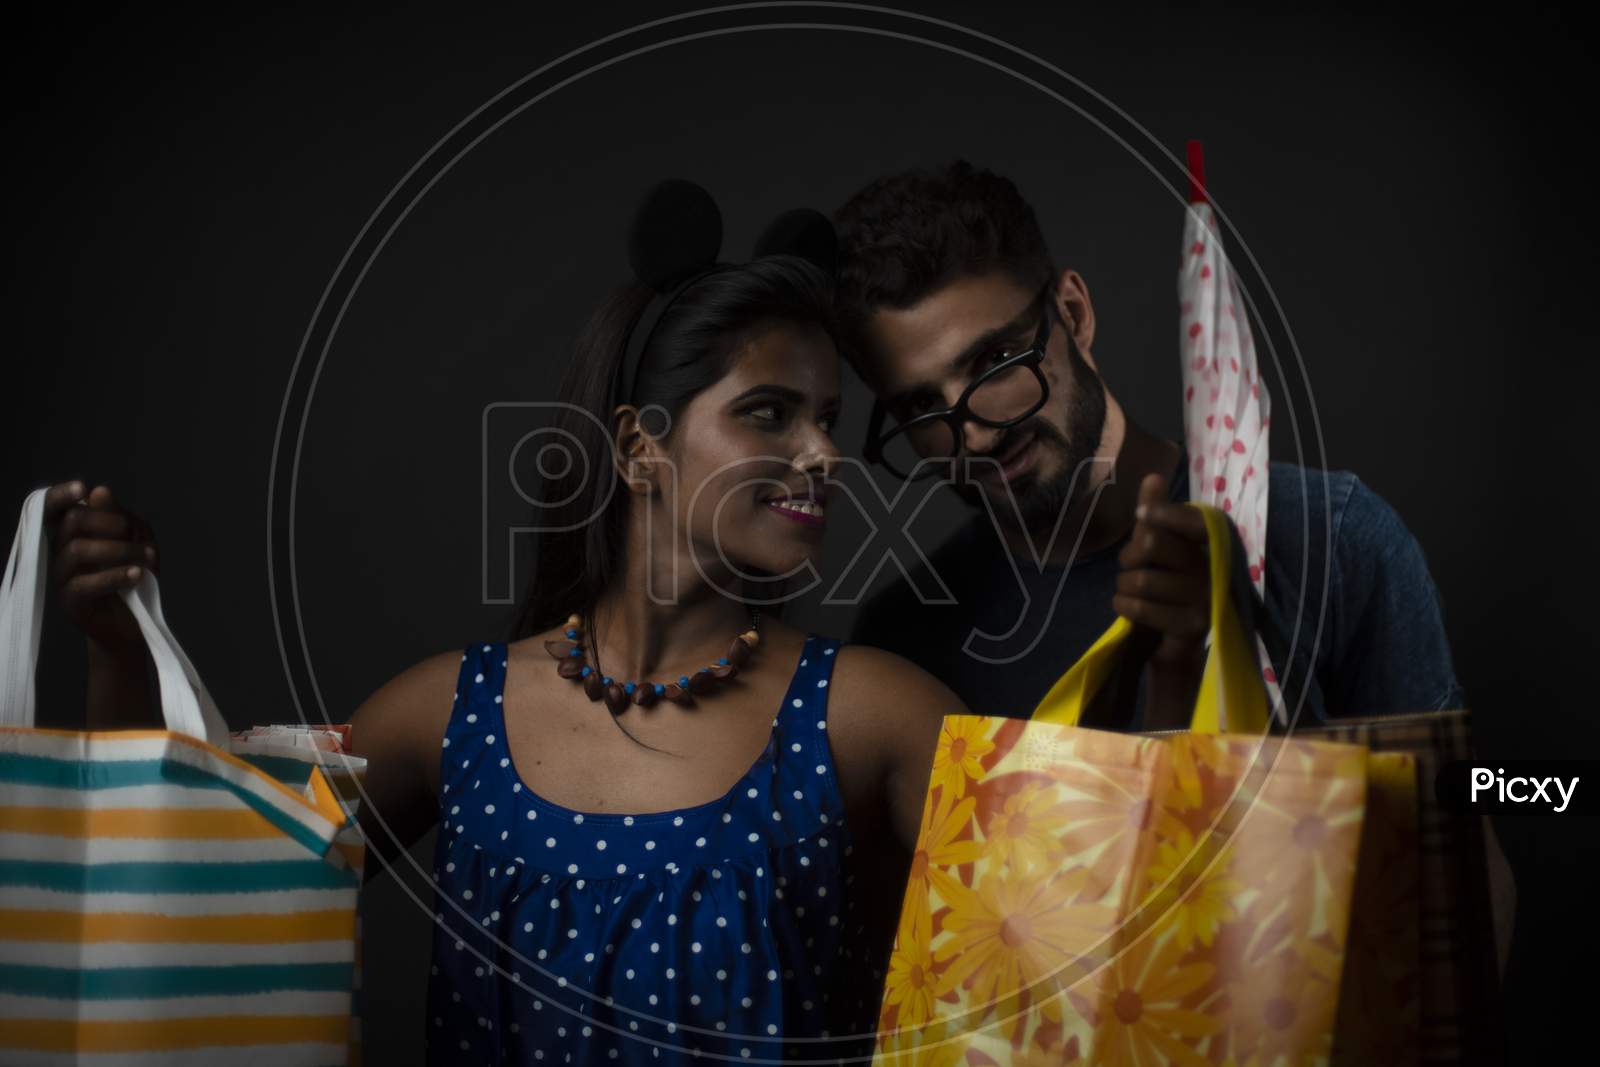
[{"x": 1351, "y": 617}]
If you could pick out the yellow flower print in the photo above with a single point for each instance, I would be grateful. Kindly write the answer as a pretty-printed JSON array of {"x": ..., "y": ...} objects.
[
  {"x": 1202, "y": 897},
  {"x": 1282, "y": 1013},
  {"x": 1111, "y": 817},
  {"x": 1299, "y": 845},
  {"x": 912, "y": 985},
  {"x": 1142, "y": 1020},
  {"x": 1012, "y": 932},
  {"x": 963, "y": 741},
  {"x": 1023, "y": 832},
  {"x": 937, "y": 849}
]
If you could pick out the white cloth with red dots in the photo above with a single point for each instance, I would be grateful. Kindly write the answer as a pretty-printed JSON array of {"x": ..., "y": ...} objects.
[{"x": 1226, "y": 409}]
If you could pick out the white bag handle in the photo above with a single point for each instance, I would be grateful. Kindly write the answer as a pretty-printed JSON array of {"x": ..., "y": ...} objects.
[{"x": 186, "y": 706}]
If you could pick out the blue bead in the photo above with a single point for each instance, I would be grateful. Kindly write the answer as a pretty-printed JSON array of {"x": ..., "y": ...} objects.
[
  {"x": 585, "y": 672},
  {"x": 704, "y": 670},
  {"x": 572, "y": 633},
  {"x": 628, "y": 688},
  {"x": 684, "y": 680},
  {"x": 660, "y": 689},
  {"x": 606, "y": 679},
  {"x": 722, "y": 661},
  {"x": 576, "y": 652}
]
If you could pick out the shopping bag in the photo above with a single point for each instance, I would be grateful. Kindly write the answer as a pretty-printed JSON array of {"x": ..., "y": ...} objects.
[
  {"x": 288, "y": 752},
  {"x": 162, "y": 900},
  {"x": 1084, "y": 896},
  {"x": 1422, "y": 947}
]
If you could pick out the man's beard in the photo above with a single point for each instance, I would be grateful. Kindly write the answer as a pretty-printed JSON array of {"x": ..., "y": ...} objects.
[{"x": 1040, "y": 500}]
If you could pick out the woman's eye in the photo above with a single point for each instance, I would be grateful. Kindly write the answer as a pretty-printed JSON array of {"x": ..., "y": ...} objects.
[{"x": 766, "y": 412}]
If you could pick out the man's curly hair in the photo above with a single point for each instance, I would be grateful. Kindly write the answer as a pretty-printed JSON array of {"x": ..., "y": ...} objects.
[{"x": 906, "y": 235}]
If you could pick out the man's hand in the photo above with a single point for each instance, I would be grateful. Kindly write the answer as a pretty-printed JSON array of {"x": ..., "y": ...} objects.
[
  {"x": 97, "y": 549},
  {"x": 1165, "y": 590}
]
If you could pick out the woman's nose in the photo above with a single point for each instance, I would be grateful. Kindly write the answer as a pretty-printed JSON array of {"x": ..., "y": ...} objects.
[{"x": 819, "y": 457}]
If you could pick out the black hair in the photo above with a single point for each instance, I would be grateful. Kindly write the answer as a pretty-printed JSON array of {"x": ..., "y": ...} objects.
[
  {"x": 904, "y": 236},
  {"x": 690, "y": 349}
]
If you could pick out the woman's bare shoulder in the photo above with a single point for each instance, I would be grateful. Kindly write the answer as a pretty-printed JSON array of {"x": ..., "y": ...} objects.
[
  {"x": 411, "y": 710},
  {"x": 884, "y": 692}
]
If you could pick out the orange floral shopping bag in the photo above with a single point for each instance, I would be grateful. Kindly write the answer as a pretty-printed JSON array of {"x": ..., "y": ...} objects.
[{"x": 1080, "y": 896}]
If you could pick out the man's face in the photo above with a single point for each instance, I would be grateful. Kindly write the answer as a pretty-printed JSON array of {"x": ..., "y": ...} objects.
[{"x": 923, "y": 358}]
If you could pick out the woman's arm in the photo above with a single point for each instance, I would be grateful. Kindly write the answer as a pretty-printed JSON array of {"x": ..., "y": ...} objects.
[
  {"x": 884, "y": 721},
  {"x": 399, "y": 730}
]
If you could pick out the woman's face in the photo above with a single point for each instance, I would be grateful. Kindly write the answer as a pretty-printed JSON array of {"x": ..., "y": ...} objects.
[{"x": 751, "y": 453}]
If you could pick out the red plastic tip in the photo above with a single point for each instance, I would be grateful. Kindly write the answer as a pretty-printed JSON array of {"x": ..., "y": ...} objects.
[{"x": 1197, "y": 173}]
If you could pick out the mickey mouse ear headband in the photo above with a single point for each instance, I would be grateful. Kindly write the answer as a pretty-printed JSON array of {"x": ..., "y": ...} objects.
[{"x": 674, "y": 241}]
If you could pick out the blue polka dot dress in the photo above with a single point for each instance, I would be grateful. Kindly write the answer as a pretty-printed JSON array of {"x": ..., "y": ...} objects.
[{"x": 715, "y": 931}]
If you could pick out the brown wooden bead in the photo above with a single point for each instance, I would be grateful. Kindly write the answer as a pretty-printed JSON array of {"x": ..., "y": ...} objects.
[
  {"x": 738, "y": 653},
  {"x": 701, "y": 682},
  {"x": 573, "y": 622},
  {"x": 724, "y": 670},
  {"x": 571, "y": 667},
  {"x": 559, "y": 649},
  {"x": 751, "y": 637},
  {"x": 644, "y": 695},
  {"x": 616, "y": 698},
  {"x": 679, "y": 695},
  {"x": 593, "y": 687}
]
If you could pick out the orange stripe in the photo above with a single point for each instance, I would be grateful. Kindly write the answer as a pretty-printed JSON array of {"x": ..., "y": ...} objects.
[
  {"x": 183, "y": 739},
  {"x": 176, "y": 929},
  {"x": 152, "y": 1035},
  {"x": 210, "y": 824}
]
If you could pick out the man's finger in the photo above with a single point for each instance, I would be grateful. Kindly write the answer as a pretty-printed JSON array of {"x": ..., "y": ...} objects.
[
  {"x": 1165, "y": 587},
  {"x": 100, "y": 497},
  {"x": 1167, "y": 619},
  {"x": 1181, "y": 519},
  {"x": 59, "y": 498},
  {"x": 1155, "y": 546},
  {"x": 94, "y": 523},
  {"x": 1152, "y": 491},
  {"x": 84, "y": 555},
  {"x": 103, "y": 583}
]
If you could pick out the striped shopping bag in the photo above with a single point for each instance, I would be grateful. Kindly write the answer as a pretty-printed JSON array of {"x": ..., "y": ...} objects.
[{"x": 162, "y": 901}]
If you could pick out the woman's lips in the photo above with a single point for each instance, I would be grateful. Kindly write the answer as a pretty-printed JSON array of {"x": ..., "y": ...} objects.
[{"x": 805, "y": 512}]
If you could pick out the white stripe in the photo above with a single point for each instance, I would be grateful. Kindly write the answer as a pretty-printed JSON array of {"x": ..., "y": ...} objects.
[
  {"x": 273, "y": 902},
  {"x": 96, "y": 954},
  {"x": 90, "y": 748},
  {"x": 133, "y": 796},
  {"x": 48, "y": 848},
  {"x": 108, "y": 748},
  {"x": 298, "y": 1055},
  {"x": 258, "y": 783},
  {"x": 282, "y": 1003}
]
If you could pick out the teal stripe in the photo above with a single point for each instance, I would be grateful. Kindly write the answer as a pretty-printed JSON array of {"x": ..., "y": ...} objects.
[
  {"x": 176, "y": 877},
  {"x": 96, "y": 774},
  {"x": 143, "y": 983},
  {"x": 286, "y": 769},
  {"x": 117, "y": 774}
]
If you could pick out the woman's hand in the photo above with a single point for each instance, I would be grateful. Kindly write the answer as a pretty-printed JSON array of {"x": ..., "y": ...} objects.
[
  {"x": 1165, "y": 590},
  {"x": 98, "y": 549}
]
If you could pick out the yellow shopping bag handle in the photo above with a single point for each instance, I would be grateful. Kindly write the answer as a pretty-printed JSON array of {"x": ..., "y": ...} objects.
[{"x": 1231, "y": 694}]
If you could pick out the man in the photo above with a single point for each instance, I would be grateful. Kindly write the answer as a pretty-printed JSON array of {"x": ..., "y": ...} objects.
[{"x": 947, "y": 288}]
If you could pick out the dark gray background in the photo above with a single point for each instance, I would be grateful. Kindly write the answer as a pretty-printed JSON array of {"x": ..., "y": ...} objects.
[{"x": 183, "y": 189}]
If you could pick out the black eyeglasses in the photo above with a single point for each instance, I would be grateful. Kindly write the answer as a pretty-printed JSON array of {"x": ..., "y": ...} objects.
[{"x": 1003, "y": 395}]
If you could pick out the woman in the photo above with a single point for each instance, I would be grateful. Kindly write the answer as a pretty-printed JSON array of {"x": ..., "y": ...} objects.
[{"x": 651, "y": 845}]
